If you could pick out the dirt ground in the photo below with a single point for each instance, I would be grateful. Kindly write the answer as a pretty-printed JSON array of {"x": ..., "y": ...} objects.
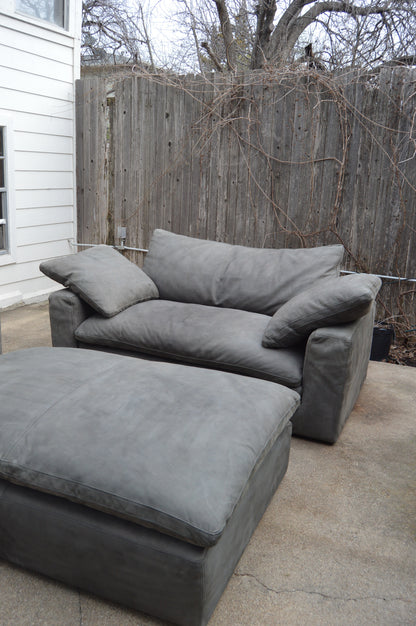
[{"x": 403, "y": 351}]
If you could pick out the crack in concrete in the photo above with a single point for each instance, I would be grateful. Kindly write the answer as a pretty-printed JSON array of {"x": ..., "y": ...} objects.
[
  {"x": 321, "y": 594},
  {"x": 80, "y": 609}
]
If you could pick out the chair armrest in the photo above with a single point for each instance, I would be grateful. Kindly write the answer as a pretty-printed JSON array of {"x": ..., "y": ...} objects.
[
  {"x": 335, "y": 367},
  {"x": 66, "y": 312}
]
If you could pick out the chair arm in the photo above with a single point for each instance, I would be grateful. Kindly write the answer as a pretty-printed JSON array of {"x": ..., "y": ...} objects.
[
  {"x": 66, "y": 312},
  {"x": 335, "y": 367}
]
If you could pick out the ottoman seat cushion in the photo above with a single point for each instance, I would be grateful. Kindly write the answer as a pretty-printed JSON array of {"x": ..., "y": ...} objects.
[{"x": 162, "y": 445}]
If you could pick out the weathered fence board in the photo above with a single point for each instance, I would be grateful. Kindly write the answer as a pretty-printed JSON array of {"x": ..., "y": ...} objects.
[
  {"x": 91, "y": 137},
  {"x": 294, "y": 160}
]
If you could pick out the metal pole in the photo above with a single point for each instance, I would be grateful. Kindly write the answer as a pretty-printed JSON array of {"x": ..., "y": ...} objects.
[
  {"x": 123, "y": 247},
  {"x": 95, "y": 245},
  {"x": 406, "y": 280}
]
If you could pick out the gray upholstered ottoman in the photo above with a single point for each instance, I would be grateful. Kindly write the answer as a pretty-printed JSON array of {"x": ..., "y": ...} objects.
[{"x": 139, "y": 481}]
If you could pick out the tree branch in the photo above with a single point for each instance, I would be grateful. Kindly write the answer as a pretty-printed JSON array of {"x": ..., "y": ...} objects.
[
  {"x": 279, "y": 37},
  {"x": 194, "y": 34},
  {"x": 293, "y": 11},
  {"x": 147, "y": 39},
  {"x": 227, "y": 33},
  {"x": 399, "y": 61},
  {"x": 346, "y": 7},
  {"x": 282, "y": 43},
  {"x": 212, "y": 56}
]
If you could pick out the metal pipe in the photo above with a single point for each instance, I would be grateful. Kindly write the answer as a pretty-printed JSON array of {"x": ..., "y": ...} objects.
[
  {"x": 88, "y": 245},
  {"x": 95, "y": 245},
  {"x": 406, "y": 280},
  {"x": 123, "y": 247}
]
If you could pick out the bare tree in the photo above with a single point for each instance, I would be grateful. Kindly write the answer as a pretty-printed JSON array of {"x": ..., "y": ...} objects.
[
  {"x": 346, "y": 32},
  {"x": 220, "y": 44},
  {"x": 230, "y": 35},
  {"x": 114, "y": 32}
]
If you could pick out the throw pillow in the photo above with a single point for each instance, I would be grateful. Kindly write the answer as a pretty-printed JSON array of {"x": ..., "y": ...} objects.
[
  {"x": 333, "y": 301},
  {"x": 102, "y": 277}
]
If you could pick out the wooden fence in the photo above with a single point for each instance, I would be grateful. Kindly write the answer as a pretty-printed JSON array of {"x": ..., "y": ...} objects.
[{"x": 283, "y": 160}]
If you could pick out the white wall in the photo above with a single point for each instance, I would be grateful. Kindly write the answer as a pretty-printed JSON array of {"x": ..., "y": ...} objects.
[{"x": 39, "y": 63}]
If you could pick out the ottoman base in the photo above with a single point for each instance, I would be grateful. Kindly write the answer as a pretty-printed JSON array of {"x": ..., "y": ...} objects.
[{"x": 127, "y": 563}]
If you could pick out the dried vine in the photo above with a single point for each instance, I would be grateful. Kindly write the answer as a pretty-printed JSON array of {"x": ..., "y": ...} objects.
[{"x": 232, "y": 111}]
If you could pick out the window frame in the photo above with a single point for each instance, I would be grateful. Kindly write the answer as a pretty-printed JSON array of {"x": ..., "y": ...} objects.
[
  {"x": 8, "y": 254},
  {"x": 3, "y": 190},
  {"x": 65, "y": 26}
]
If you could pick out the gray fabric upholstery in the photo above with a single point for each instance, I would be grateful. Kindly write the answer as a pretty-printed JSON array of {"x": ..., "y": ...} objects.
[
  {"x": 180, "y": 443},
  {"x": 333, "y": 301},
  {"x": 127, "y": 563},
  {"x": 66, "y": 312},
  {"x": 323, "y": 397},
  {"x": 213, "y": 299},
  {"x": 335, "y": 367},
  {"x": 218, "y": 274},
  {"x": 103, "y": 278},
  {"x": 210, "y": 336}
]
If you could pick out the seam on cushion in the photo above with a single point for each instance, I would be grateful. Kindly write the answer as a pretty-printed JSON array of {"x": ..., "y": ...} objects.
[
  {"x": 72, "y": 305},
  {"x": 96, "y": 527},
  {"x": 265, "y": 450},
  {"x": 29, "y": 427},
  {"x": 202, "y": 590},
  {"x": 187, "y": 359},
  {"x": 214, "y": 534},
  {"x": 99, "y": 309},
  {"x": 288, "y": 330},
  {"x": 139, "y": 353},
  {"x": 344, "y": 347},
  {"x": 336, "y": 311},
  {"x": 314, "y": 342},
  {"x": 3, "y": 489},
  {"x": 74, "y": 288},
  {"x": 223, "y": 274},
  {"x": 345, "y": 339}
]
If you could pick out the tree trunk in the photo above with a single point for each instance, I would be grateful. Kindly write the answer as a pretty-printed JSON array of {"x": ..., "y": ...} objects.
[
  {"x": 265, "y": 15},
  {"x": 227, "y": 33}
]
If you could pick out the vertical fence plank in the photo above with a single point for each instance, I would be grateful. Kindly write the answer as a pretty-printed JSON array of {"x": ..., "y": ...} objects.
[
  {"x": 91, "y": 137},
  {"x": 286, "y": 160},
  {"x": 80, "y": 114}
]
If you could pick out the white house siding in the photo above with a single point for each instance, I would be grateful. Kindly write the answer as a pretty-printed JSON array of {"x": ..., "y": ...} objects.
[{"x": 39, "y": 64}]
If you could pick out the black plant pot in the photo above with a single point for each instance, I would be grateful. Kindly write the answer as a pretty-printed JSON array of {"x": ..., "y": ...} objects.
[{"x": 383, "y": 336}]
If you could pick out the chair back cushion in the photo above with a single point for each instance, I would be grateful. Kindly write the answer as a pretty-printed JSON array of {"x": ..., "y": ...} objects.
[{"x": 261, "y": 280}]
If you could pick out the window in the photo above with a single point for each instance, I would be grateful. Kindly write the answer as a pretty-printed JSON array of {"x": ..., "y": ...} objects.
[
  {"x": 53, "y": 11},
  {"x": 3, "y": 192}
]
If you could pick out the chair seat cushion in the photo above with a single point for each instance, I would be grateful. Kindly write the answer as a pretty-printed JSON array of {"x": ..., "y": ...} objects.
[
  {"x": 226, "y": 339},
  {"x": 163, "y": 445}
]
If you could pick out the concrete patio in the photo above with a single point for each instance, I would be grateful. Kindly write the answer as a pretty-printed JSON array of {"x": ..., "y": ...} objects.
[{"x": 337, "y": 544}]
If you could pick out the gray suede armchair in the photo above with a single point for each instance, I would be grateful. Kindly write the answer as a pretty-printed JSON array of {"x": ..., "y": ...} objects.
[{"x": 281, "y": 315}]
